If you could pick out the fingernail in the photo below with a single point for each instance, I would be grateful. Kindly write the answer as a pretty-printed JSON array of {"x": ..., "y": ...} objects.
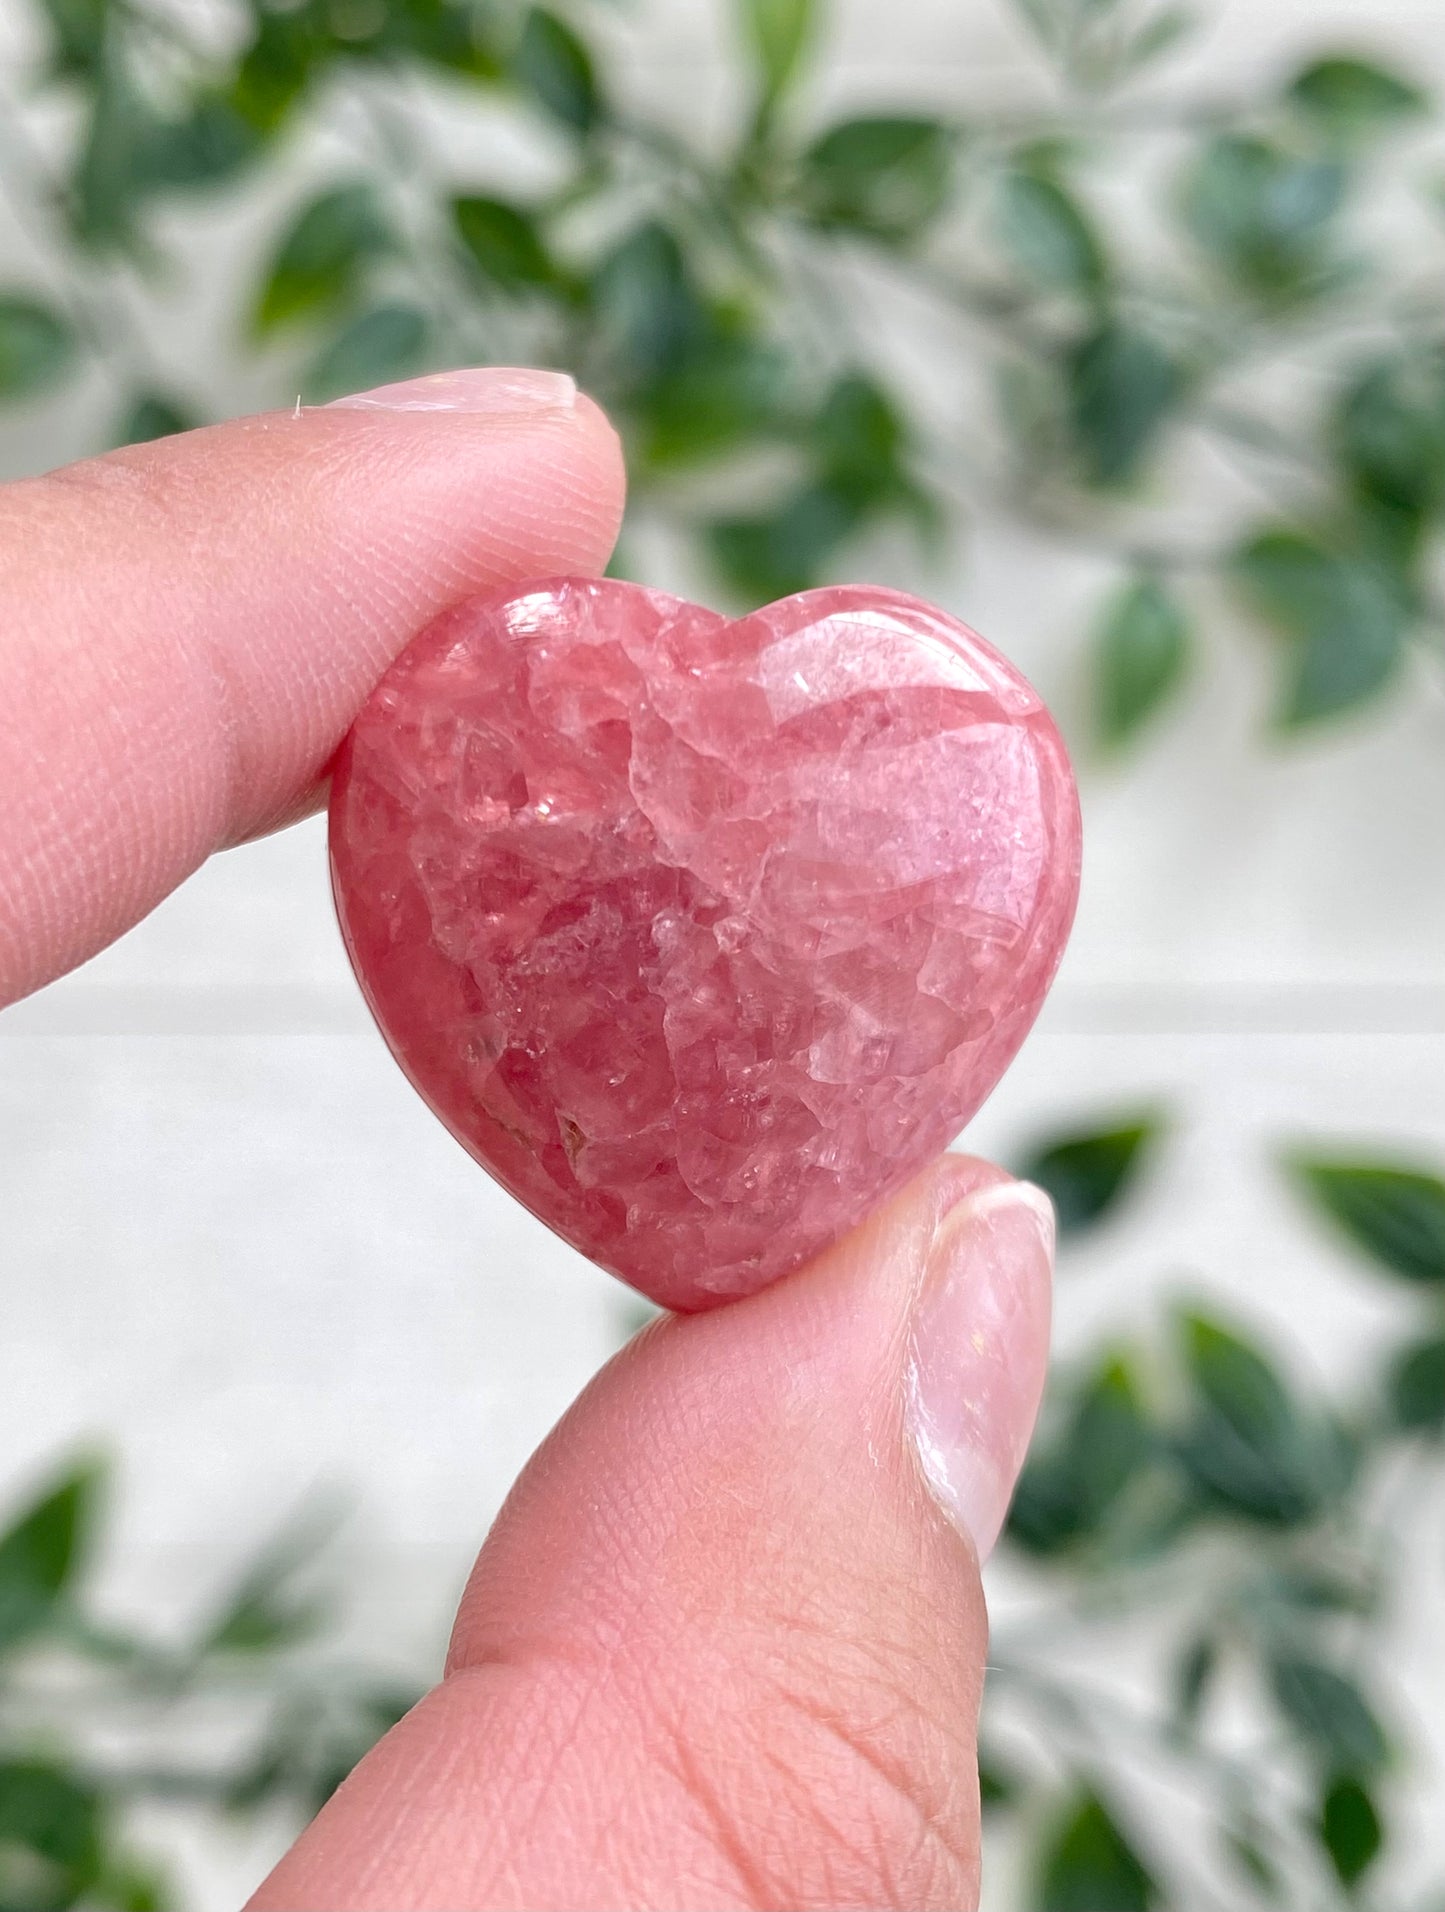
[
  {"x": 495, "y": 390},
  {"x": 979, "y": 1351}
]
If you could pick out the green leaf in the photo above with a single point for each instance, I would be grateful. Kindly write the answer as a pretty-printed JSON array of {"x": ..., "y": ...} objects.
[
  {"x": 77, "y": 31},
  {"x": 783, "y": 551},
  {"x": 1248, "y": 1853},
  {"x": 1346, "y": 618},
  {"x": 1073, "y": 1482},
  {"x": 261, "y": 1624},
  {"x": 1263, "y": 214},
  {"x": 888, "y": 177},
  {"x": 857, "y": 443},
  {"x": 646, "y": 310},
  {"x": 261, "y": 1618},
  {"x": 1122, "y": 387},
  {"x": 554, "y": 66},
  {"x": 37, "y": 347},
  {"x": 503, "y": 241},
  {"x": 128, "y": 1885},
  {"x": 386, "y": 343},
  {"x": 1141, "y": 652},
  {"x": 1160, "y": 33},
  {"x": 1389, "y": 430},
  {"x": 1235, "y": 1378},
  {"x": 1088, "y": 1865},
  {"x": 318, "y": 265},
  {"x": 269, "y": 1607},
  {"x": 50, "y": 1836},
  {"x": 1043, "y": 228},
  {"x": 210, "y": 143},
  {"x": 1192, "y": 1676},
  {"x": 43, "y": 1551},
  {"x": 1396, "y": 1215},
  {"x": 1308, "y": 1588},
  {"x": 1350, "y": 1829},
  {"x": 461, "y": 39},
  {"x": 290, "y": 50},
  {"x": 998, "y": 1785},
  {"x": 152, "y": 415},
  {"x": 106, "y": 189},
  {"x": 1110, "y": 1440},
  {"x": 1416, "y": 1387},
  {"x": 723, "y": 391},
  {"x": 1085, "y": 1174},
  {"x": 1249, "y": 1447},
  {"x": 778, "y": 33},
  {"x": 1328, "y": 1711},
  {"x": 1350, "y": 98},
  {"x": 859, "y": 438},
  {"x": 1061, "y": 26},
  {"x": 132, "y": 149}
]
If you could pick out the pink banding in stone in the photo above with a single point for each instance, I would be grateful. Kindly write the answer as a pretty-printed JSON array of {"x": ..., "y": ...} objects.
[{"x": 703, "y": 937}]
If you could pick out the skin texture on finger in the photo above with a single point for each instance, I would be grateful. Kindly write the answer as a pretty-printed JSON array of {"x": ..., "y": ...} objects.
[
  {"x": 191, "y": 626},
  {"x": 722, "y": 1649}
]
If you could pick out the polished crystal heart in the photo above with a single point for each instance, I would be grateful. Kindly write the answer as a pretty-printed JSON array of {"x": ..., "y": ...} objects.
[{"x": 703, "y": 937}]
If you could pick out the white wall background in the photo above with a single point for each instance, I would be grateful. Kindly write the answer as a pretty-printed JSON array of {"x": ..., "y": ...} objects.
[{"x": 236, "y": 1246}]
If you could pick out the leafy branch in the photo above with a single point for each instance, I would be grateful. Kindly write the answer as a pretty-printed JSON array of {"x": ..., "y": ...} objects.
[
  {"x": 73, "y": 1686},
  {"x": 1258, "y": 1535},
  {"x": 703, "y": 290}
]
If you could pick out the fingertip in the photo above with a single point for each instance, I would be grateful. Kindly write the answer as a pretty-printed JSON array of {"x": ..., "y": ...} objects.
[
  {"x": 603, "y": 466},
  {"x": 978, "y": 1352},
  {"x": 205, "y": 615},
  {"x": 597, "y": 427}
]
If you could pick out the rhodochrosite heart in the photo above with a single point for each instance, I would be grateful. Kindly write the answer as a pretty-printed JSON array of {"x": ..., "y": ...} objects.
[{"x": 702, "y": 936}]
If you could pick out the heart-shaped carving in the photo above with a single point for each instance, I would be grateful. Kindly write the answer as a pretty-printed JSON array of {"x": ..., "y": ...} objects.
[{"x": 703, "y": 937}]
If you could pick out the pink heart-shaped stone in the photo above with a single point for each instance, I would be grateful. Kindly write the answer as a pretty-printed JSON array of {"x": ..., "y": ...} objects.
[{"x": 703, "y": 937}]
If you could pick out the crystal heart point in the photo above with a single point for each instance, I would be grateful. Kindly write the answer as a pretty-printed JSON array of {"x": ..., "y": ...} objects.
[{"x": 703, "y": 936}]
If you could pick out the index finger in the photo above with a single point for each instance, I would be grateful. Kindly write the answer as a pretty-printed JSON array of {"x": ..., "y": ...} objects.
[{"x": 191, "y": 625}]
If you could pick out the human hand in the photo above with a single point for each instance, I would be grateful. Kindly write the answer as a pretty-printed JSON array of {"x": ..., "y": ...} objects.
[{"x": 724, "y": 1645}]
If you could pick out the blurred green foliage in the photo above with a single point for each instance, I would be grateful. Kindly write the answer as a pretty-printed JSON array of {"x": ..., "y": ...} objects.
[
  {"x": 1184, "y": 1488},
  {"x": 66, "y": 1794},
  {"x": 1085, "y": 1175},
  {"x": 1088, "y": 1863},
  {"x": 1256, "y": 1530},
  {"x": 731, "y": 297}
]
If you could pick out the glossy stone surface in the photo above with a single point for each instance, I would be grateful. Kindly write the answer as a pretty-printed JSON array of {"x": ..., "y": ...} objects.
[{"x": 703, "y": 937}]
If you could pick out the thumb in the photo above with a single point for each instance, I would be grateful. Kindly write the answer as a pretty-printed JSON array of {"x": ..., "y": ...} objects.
[
  {"x": 192, "y": 625},
  {"x": 725, "y": 1645}
]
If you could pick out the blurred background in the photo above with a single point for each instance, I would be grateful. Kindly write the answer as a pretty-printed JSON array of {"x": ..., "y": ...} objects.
[{"x": 1117, "y": 328}]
